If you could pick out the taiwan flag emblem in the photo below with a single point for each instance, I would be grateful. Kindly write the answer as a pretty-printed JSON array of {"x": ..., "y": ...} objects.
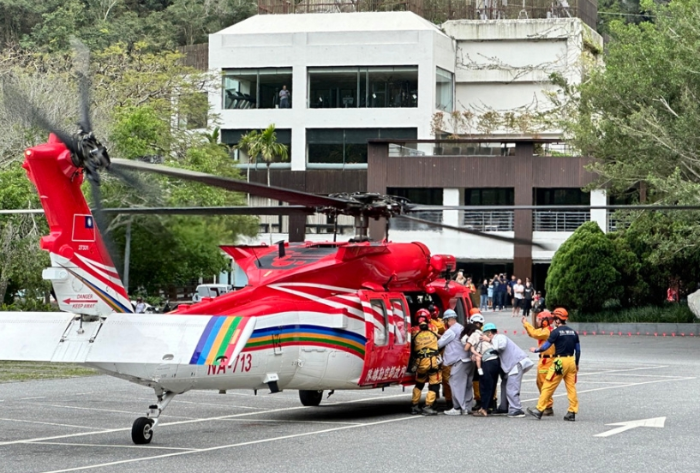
[{"x": 83, "y": 228}]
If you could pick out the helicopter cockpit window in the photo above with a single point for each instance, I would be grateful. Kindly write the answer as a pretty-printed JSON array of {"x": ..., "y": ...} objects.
[
  {"x": 399, "y": 322},
  {"x": 380, "y": 337}
]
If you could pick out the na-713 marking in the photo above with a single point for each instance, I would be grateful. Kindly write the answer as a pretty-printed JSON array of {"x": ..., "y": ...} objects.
[{"x": 243, "y": 364}]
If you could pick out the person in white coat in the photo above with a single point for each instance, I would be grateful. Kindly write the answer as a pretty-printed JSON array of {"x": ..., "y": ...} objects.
[
  {"x": 460, "y": 363},
  {"x": 514, "y": 363}
]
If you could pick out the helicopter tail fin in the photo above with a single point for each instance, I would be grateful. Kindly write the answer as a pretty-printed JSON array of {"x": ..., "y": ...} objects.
[{"x": 82, "y": 273}]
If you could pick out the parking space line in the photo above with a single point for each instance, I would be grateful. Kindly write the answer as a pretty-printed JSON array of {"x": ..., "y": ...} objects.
[
  {"x": 46, "y": 423},
  {"x": 188, "y": 421},
  {"x": 233, "y": 445},
  {"x": 584, "y": 373},
  {"x": 217, "y": 405},
  {"x": 578, "y": 391},
  {"x": 113, "y": 411},
  {"x": 293, "y": 421},
  {"x": 91, "y": 445}
]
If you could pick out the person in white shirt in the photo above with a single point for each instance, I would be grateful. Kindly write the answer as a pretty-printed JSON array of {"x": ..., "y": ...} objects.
[
  {"x": 518, "y": 291},
  {"x": 460, "y": 363},
  {"x": 140, "y": 306},
  {"x": 515, "y": 363}
]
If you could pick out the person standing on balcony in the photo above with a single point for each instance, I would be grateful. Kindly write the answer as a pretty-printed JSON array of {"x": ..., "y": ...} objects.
[{"x": 285, "y": 95}]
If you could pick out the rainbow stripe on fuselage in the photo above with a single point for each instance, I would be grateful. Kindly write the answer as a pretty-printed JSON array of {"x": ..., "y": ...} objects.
[{"x": 222, "y": 332}]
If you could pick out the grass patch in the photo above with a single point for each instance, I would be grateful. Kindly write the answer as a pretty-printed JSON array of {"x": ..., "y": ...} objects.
[
  {"x": 669, "y": 313},
  {"x": 13, "y": 371}
]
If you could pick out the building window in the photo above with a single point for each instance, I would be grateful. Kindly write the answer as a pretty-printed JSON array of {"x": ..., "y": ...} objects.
[
  {"x": 348, "y": 146},
  {"x": 496, "y": 196},
  {"x": 566, "y": 196},
  {"x": 257, "y": 88},
  {"x": 363, "y": 87},
  {"x": 444, "y": 90},
  {"x": 424, "y": 196}
]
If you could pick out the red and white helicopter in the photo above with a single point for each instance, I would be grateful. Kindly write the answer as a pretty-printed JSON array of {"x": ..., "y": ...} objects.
[{"x": 313, "y": 317}]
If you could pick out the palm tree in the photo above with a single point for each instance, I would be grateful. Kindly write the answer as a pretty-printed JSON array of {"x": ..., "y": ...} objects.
[{"x": 263, "y": 145}]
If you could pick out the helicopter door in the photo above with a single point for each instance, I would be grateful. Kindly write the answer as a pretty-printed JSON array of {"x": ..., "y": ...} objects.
[{"x": 388, "y": 348}]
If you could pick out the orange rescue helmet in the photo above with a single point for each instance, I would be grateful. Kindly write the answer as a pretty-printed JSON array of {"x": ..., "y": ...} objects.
[
  {"x": 473, "y": 311},
  {"x": 560, "y": 313},
  {"x": 545, "y": 317}
]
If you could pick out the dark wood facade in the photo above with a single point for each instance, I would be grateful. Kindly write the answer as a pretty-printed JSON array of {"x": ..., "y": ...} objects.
[{"x": 523, "y": 172}]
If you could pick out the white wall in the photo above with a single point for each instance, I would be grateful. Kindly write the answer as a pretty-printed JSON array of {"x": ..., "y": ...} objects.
[
  {"x": 504, "y": 65},
  {"x": 425, "y": 47}
]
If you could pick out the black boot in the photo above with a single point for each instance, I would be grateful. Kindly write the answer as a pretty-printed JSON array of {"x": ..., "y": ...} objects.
[
  {"x": 548, "y": 412},
  {"x": 415, "y": 409},
  {"x": 570, "y": 416},
  {"x": 534, "y": 412},
  {"x": 429, "y": 411}
]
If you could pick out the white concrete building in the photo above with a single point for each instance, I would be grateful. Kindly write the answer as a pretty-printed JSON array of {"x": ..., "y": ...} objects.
[
  {"x": 336, "y": 67},
  {"x": 359, "y": 76}
]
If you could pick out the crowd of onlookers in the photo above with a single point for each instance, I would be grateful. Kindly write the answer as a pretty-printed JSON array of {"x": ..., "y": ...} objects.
[{"x": 499, "y": 292}]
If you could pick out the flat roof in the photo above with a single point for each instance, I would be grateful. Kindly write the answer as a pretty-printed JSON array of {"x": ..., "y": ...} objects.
[{"x": 331, "y": 22}]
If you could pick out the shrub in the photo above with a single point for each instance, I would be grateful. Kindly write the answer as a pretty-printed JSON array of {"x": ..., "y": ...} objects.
[
  {"x": 584, "y": 271},
  {"x": 668, "y": 313}
]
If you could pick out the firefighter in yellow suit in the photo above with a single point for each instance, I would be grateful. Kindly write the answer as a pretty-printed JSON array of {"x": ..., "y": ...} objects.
[
  {"x": 541, "y": 334},
  {"x": 425, "y": 363},
  {"x": 439, "y": 328},
  {"x": 567, "y": 352}
]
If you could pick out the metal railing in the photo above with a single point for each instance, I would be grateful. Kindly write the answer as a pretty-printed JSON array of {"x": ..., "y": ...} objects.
[
  {"x": 617, "y": 224},
  {"x": 439, "y": 11},
  {"x": 543, "y": 221},
  {"x": 496, "y": 221},
  {"x": 408, "y": 225}
]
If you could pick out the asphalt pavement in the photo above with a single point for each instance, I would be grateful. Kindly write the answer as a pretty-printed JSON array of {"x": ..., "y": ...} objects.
[{"x": 84, "y": 424}]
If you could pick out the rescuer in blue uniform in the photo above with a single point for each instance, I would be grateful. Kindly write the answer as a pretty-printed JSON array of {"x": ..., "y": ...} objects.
[{"x": 567, "y": 352}]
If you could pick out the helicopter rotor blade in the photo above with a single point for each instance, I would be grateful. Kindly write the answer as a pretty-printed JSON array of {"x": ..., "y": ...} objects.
[
  {"x": 492, "y": 208},
  {"x": 272, "y": 210},
  {"x": 81, "y": 64},
  {"x": 102, "y": 224},
  {"x": 490, "y": 236},
  {"x": 260, "y": 190},
  {"x": 17, "y": 103}
]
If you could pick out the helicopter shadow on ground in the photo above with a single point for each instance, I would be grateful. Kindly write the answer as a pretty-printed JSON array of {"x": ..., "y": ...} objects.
[{"x": 351, "y": 412}]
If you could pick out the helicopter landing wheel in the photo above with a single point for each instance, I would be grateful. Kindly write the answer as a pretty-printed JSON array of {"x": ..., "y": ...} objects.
[
  {"x": 142, "y": 431},
  {"x": 310, "y": 398}
]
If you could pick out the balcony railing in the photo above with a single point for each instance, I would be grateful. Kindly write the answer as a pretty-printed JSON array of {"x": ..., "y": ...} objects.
[
  {"x": 496, "y": 221},
  {"x": 543, "y": 221},
  {"x": 615, "y": 224},
  {"x": 439, "y": 11},
  {"x": 408, "y": 225}
]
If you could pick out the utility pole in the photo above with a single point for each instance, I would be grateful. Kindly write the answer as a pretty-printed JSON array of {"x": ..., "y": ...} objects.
[{"x": 127, "y": 255}]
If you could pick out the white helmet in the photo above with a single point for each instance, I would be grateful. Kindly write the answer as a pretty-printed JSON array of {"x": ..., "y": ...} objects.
[{"x": 477, "y": 318}]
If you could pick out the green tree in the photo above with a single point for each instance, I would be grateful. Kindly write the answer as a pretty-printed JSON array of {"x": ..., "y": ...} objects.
[
  {"x": 21, "y": 260},
  {"x": 263, "y": 145},
  {"x": 584, "y": 271},
  {"x": 639, "y": 115}
]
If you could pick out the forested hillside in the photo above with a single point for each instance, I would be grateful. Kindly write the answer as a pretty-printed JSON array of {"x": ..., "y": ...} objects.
[{"x": 47, "y": 25}]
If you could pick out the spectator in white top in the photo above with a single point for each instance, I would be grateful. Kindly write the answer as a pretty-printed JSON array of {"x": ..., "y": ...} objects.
[
  {"x": 140, "y": 306},
  {"x": 518, "y": 290}
]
